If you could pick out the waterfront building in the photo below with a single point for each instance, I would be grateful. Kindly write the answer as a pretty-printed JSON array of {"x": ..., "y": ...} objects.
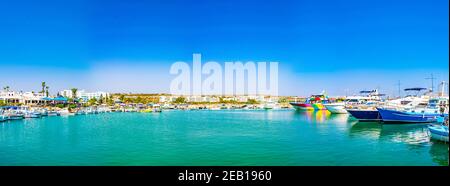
[
  {"x": 10, "y": 96},
  {"x": 26, "y": 98},
  {"x": 85, "y": 96}
]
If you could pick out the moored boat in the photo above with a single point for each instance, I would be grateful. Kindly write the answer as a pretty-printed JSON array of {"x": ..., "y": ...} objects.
[
  {"x": 3, "y": 118},
  {"x": 315, "y": 102},
  {"x": 367, "y": 114},
  {"x": 32, "y": 114},
  {"x": 336, "y": 108},
  {"x": 65, "y": 112},
  {"x": 302, "y": 106},
  {"x": 52, "y": 113},
  {"x": 395, "y": 116},
  {"x": 438, "y": 132},
  {"x": 43, "y": 112},
  {"x": 15, "y": 116},
  {"x": 271, "y": 105}
]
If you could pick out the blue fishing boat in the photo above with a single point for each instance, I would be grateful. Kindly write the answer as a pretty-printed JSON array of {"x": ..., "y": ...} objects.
[
  {"x": 368, "y": 115},
  {"x": 438, "y": 132},
  {"x": 3, "y": 118},
  {"x": 395, "y": 116}
]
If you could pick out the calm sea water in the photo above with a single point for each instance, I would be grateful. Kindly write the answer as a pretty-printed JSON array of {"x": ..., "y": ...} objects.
[{"x": 282, "y": 137}]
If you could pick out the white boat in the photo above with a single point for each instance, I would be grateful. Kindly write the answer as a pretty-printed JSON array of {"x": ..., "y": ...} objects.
[
  {"x": 271, "y": 105},
  {"x": 52, "y": 113},
  {"x": 411, "y": 101},
  {"x": 363, "y": 101},
  {"x": 14, "y": 115},
  {"x": 336, "y": 108},
  {"x": 3, "y": 118},
  {"x": 32, "y": 114},
  {"x": 43, "y": 112},
  {"x": 65, "y": 112}
]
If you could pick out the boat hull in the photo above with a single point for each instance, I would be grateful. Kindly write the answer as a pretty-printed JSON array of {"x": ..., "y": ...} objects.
[
  {"x": 365, "y": 115},
  {"x": 16, "y": 117},
  {"x": 336, "y": 108},
  {"x": 393, "y": 116},
  {"x": 439, "y": 133},
  {"x": 302, "y": 106},
  {"x": 308, "y": 107},
  {"x": 318, "y": 106}
]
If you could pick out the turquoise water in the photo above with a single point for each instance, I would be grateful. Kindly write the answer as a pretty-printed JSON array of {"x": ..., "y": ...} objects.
[{"x": 228, "y": 137}]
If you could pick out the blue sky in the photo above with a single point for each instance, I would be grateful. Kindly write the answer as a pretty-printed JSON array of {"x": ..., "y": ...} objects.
[{"x": 128, "y": 46}]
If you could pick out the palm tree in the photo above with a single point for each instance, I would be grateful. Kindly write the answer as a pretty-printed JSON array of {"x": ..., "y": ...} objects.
[
  {"x": 46, "y": 91},
  {"x": 74, "y": 92},
  {"x": 101, "y": 99},
  {"x": 43, "y": 87},
  {"x": 6, "y": 90}
]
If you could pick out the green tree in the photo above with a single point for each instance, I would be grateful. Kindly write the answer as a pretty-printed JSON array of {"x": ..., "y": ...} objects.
[
  {"x": 180, "y": 100},
  {"x": 252, "y": 101},
  {"x": 92, "y": 101},
  {"x": 283, "y": 100},
  {"x": 46, "y": 91},
  {"x": 110, "y": 100},
  {"x": 74, "y": 92},
  {"x": 43, "y": 87},
  {"x": 122, "y": 98},
  {"x": 6, "y": 88},
  {"x": 72, "y": 106},
  {"x": 139, "y": 100},
  {"x": 100, "y": 100}
]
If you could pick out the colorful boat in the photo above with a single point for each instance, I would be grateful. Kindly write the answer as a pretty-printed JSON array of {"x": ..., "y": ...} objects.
[
  {"x": 302, "y": 106},
  {"x": 438, "y": 132},
  {"x": 315, "y": 102},
  {"x": 395, "y": 116}
]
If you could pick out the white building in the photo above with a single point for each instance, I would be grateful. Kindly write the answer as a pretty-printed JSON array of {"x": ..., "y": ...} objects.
[
  {"x": 21, "y": 97},
  {"x": 84, "y": 95},
  {"x": 167, "y": 99}
]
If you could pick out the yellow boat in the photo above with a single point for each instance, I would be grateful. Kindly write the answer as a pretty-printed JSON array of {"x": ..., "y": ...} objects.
[{"x": 146, "y": 110}]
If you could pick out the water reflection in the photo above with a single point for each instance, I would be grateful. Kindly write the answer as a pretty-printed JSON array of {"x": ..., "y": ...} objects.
[
  {"x": 413, "y": 134},
  {"x": 339, "y": 118},
  {"x": 320, "y": 116},
  {"x": 439, "y": 153},
  {"x": 371, "y": 130}
]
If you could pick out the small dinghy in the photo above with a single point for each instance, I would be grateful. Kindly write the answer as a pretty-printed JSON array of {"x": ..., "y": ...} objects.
[{"x": 438, "y": 132}]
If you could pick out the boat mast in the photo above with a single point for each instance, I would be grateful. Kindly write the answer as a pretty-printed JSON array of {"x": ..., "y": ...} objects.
[
  {"x": 432, "y": 82},
  {"x": 443, "y": 83},
  {"x": 399, "y": 89}
]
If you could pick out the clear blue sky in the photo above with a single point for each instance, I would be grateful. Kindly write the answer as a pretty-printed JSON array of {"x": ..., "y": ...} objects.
[{"x": 123, "y": 46}]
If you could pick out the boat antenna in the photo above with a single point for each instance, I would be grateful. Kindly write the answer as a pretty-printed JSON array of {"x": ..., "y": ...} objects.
[
  {"x": 399, "y": 88},
  {"x": 432, "y": 78},
  {"x": 443, "y": 83}
]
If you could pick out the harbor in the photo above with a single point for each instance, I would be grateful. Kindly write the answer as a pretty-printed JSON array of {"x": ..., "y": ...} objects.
[
  {"x": 70, "y": 128},
  {"x": 216, "y": 137}
]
